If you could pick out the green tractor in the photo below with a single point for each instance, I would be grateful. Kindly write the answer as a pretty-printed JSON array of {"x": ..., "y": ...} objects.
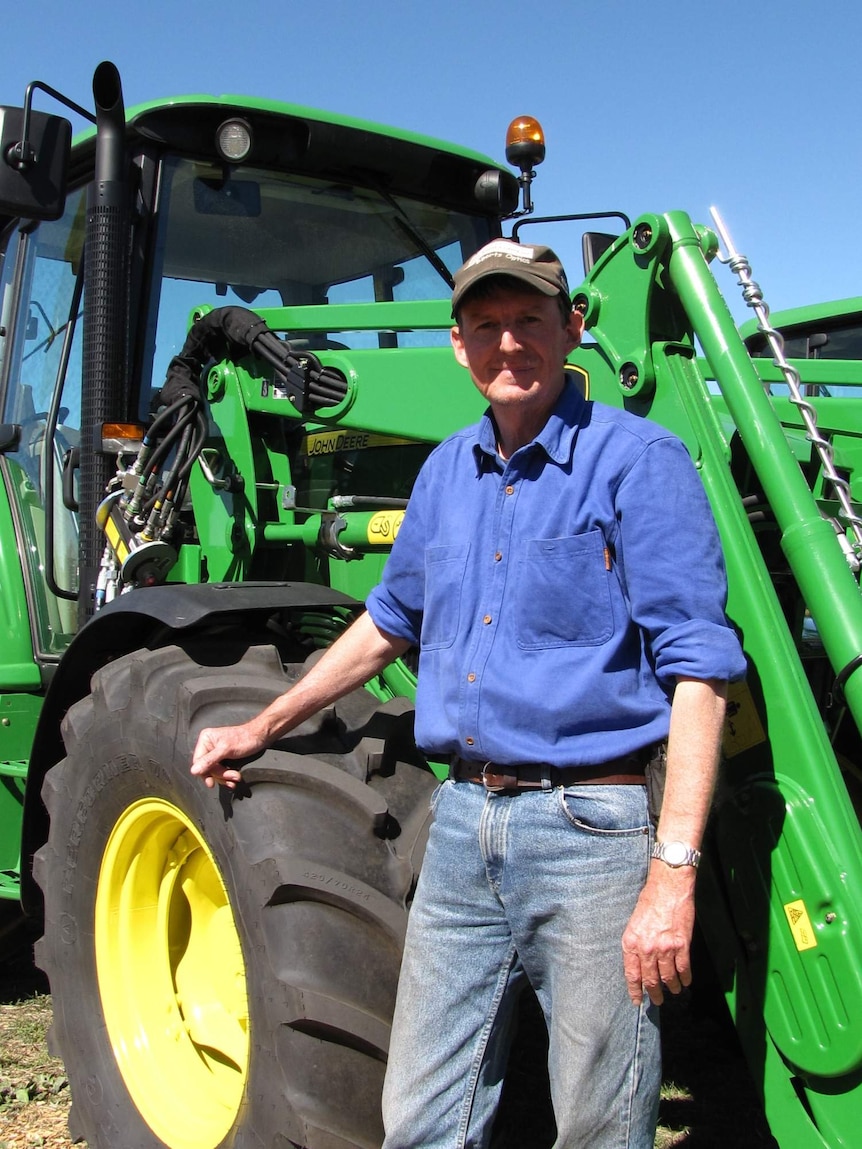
[{"x": 223, "y": 358}]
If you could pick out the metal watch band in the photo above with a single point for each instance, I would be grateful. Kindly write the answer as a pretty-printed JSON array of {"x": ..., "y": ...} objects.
[{"x": 676, "y": 854}]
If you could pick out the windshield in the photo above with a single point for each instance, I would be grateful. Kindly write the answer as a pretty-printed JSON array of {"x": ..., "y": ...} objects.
[
  {"x": 268, "y": 239},
  {"x": 829, "y": 339},
  {"x": 826, "y": 340}
]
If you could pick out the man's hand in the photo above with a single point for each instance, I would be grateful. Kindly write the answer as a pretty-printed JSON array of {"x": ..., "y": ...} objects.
[
  {"x": 360, "y": 653},
  {"x": 657, "y": 938},
  {"x": 217, "y": 744}
]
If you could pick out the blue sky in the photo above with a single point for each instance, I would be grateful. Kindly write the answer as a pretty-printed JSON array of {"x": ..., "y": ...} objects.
[{"x": 647, "y": 106}]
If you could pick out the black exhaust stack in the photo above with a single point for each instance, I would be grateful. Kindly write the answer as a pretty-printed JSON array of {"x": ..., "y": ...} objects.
[{"x": 106, "y": 305}]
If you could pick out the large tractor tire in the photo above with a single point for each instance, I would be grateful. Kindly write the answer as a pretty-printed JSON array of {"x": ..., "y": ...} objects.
[{"x": 224, "y": 965}]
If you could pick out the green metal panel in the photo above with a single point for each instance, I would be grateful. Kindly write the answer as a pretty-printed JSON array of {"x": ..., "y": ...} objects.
[
  {"x": 19, "y": 710},
  {"x": 418, "y": 395},
  {"x": 19, "y": 714}
]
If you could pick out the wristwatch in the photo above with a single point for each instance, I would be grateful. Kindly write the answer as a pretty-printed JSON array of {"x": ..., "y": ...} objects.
[{"x": 676, "y": 854}]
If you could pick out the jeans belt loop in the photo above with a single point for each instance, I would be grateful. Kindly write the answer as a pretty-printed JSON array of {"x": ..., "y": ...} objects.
[{"x": 547, "y": 784}]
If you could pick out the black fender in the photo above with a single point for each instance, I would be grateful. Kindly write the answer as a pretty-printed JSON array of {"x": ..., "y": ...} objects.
[{"x": 148, "y": 617}]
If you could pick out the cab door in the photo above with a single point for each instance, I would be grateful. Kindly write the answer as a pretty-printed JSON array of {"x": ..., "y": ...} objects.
[{"x": 41, "y": 283}]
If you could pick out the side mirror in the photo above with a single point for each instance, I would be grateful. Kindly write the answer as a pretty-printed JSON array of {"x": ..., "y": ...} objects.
[
  {"x": 33, "y": 171},
  {"x": 10, "y": 437},
  {"x": 497, "y": 191},
  {"x": 594, "y": 244}
]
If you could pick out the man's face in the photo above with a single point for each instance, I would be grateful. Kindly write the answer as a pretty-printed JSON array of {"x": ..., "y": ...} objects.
[{"x": 514, "y": 344}]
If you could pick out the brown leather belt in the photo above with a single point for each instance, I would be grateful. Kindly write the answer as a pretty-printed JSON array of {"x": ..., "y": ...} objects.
[{"x": 499, "y": 779}]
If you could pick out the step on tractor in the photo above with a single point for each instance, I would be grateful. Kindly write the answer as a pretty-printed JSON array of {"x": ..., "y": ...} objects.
[{"x": 224, "y": 356}]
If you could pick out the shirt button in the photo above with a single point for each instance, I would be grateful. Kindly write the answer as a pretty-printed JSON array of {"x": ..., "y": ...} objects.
[
  {"x": 498, "y": 556},
  {"x": 510, "y": 490},
  {"x": 486, "y": 619},
  {"x": 471, "y": 677},
  {"x": 469, "y": 741}
]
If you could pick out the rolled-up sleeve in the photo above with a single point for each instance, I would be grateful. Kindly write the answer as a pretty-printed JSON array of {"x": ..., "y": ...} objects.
[
  {"x": 396, "y": 604},
  {"x": 672, "y": 562}
]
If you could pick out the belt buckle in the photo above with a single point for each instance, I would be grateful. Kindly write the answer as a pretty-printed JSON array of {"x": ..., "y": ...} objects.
[{"x": 496, "y": 783}]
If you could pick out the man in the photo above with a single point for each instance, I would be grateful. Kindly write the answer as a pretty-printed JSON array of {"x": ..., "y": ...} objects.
[{"x": 560, "y": 571}]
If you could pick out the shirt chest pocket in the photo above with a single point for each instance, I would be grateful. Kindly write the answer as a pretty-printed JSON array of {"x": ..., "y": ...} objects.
[
  {"x": 564, "y": 593},
  {"x": 444, "y": 576}
]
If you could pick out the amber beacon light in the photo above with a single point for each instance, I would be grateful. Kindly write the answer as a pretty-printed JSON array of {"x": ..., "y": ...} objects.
[{"x": 525, "y": 148}]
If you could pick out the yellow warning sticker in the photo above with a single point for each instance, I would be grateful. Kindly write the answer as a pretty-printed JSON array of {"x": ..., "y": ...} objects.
[
  {"x": 383, "y": 527},
  {"x": 743, "y": 728},
  {"x": 116, "y": 540},
  {"x": 800, "y": 925}
]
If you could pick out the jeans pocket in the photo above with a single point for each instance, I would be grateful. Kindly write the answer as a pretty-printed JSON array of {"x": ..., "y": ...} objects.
[{"x": 615, "y": 811}]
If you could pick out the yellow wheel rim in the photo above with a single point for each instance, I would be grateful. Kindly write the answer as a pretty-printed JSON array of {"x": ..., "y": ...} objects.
[{"x": 171, "y": 976}]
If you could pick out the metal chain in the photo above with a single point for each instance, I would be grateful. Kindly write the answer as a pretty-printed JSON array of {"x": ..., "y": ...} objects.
[{"x": 753, "y": 297}]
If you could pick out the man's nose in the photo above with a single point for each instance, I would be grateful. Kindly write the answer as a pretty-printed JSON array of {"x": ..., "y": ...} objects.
[{"x": 508, "y": 340}]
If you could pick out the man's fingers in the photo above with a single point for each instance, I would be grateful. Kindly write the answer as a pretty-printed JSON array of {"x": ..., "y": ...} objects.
[
  {"x": 208, "y": 759},
  {"x": 654, "y": 988},
  {"x": 205, "y": 755},
  {"x": 676, "y": 972},
  {"x": 656, "y": 994},
  {"x": 633, "y": 975},
  {"x": 645, "y": 973},
  {"x": 206, "y": 766},
  {"x": 221, "y": 775},
  {"x": 669, "y": 975}
]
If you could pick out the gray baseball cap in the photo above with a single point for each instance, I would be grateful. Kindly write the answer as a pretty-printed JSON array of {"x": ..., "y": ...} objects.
[{"x": 531, "y": 263}]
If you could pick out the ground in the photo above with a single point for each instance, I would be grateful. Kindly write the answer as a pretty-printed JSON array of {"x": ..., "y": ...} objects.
[
  {"x": 707, "y": 1100},
  {"x": 34, "y": 1092}
]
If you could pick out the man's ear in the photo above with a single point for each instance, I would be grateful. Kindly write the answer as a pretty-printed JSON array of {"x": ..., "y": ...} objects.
[
  {"x": 574, "y": 329},
  {"x": 458, "y": 346}
]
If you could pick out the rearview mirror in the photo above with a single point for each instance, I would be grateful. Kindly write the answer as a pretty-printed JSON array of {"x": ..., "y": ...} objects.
[
  {"x": 594, "y": 244},
  {"x": 33, "y": 172}
]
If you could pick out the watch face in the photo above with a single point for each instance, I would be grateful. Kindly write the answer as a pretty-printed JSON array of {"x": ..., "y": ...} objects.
[{"x": 674, "y": 853}]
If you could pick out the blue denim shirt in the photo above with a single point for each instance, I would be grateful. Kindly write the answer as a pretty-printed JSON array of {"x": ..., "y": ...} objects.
[{"x": 557, "y": 596}]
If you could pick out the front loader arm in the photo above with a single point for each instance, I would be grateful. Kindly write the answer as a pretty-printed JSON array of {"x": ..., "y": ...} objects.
[{"x": 780, "y": 900}]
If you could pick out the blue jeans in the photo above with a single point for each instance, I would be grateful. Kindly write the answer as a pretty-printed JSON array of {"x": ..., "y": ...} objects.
[{"x": 539, "y": 886}]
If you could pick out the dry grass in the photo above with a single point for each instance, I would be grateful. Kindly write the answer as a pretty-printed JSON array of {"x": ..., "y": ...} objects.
[{"x": 34, "y": 1092}]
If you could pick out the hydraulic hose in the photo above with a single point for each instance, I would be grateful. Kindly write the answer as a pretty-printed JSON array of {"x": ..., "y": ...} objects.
[{"x": 234, "y": 332}]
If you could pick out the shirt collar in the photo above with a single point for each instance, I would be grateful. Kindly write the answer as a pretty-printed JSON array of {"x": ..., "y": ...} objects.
[{"x": 557, "y": 437}]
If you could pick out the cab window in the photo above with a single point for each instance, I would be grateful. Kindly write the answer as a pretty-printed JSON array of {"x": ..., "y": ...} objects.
[{"x": 41, "y": 302}]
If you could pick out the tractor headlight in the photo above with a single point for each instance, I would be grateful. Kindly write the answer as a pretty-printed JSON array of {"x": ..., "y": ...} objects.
[{"x": 234, "y": 140}]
